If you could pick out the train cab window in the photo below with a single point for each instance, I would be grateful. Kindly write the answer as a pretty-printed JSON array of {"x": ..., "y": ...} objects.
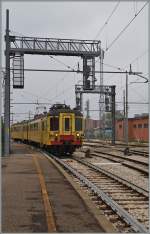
[
  {"x": 78, "y": 124},
  {"x": 67, "y": 123},
  {"x": 54, "y": 124}
]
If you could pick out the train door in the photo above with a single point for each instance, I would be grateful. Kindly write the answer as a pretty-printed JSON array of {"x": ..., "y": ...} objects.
[{"x": 66, "y": 120}]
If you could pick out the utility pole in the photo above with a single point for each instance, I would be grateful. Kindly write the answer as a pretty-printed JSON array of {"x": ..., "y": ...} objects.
[
  {"x": 113, "y": 114},
  {"x": 7, "y": 92},
  {"x": 29, "y": 115},
  {"x": 101, "y": 98},
  {"x": 87, "y": 116},
  {"x": 126, "y": 114}
]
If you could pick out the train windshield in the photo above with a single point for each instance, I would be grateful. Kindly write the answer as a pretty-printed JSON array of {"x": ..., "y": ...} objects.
[
  {"x": 54, "y": 124},
  {"x": 78, "y": 124},
  {"x": 67, "y": 123}
]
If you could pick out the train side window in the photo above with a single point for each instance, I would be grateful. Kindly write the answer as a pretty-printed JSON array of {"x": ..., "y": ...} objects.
[
  {"x": 54, "y": 124},
  {"x": 35, "y": 126},
  {"x": 139, "y": 125},
  {"x": 78, "y": 124},
  {"x": 67, "y": 123},
  {"x": 120, "y": 126},
  {"x": 134, "y": 125}
]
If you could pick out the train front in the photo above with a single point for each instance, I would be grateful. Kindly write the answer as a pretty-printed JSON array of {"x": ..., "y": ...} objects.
[{"x": 66, "y": 129}]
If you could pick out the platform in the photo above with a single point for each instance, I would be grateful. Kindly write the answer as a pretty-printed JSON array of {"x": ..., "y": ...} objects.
[{"x": 22, "y": 202}]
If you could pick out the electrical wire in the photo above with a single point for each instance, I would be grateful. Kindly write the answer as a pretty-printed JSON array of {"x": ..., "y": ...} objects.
[
  {"x": 61, "y": 62},
  {"x": 123, "y": 30},
  {"x": 107, "y": 20}
]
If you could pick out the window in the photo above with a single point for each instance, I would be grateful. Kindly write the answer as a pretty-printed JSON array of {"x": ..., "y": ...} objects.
[
  {"x": 145, "y": 125},
  {"x": 139, "y": 125},
  {"x": 78, "y": 124},
  {"x": 54, "y": 123},
  {"x": 42, "y": 126},
  {"x": 120, "y": 126},
  {"x": 36, "y": 126},
  {"x": 134, "y": 125},
  {"x": 67, "y": 123}
]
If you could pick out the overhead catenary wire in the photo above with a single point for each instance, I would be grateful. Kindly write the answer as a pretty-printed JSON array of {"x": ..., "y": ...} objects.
[
  {"x": 75, "y": 71},
  {"x": 59, "y": 61},
  {"x": 131, "y": 62},
  {"x": 69, "y": 67},
  {"x": 107, "y": 20},
  {"x": 123, "y": 30}
]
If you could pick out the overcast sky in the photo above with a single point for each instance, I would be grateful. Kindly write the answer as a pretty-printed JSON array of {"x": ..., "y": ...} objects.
[{"x": 80, "y": 20}]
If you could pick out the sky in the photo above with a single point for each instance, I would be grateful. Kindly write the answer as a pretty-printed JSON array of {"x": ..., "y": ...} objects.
[{"x": 80, "y": 20}]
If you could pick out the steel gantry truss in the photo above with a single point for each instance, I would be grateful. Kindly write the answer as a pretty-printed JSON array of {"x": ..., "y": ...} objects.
[
  {"x": 108, "y": 92},
  {"x": 17, "y": 46},
  {"x": 54, "y": 46}
]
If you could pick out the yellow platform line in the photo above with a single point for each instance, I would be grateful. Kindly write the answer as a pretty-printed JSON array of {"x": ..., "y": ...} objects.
[{"x": 47, "y": 206}]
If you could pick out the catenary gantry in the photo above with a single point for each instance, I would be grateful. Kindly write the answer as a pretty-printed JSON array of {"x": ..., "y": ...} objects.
[
  {"x": 53, "y": 46},
  {"x": 17, "y": 46}
]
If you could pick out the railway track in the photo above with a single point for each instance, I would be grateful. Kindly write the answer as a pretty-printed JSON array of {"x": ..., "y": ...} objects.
[
  {"x": 129, "y": 162},
  {"x": 139, "y": 152},
  {"x": 104, "y": 145},
  {"x": 125, "y": 204},
  {"x": 139, "y": 164},
  {"x": 122, "y": 144}
]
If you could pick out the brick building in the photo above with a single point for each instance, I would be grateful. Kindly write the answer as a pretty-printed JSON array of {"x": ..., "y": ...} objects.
[
  {"x": 137, "y": 128},
  {"x": 91, "y": 124}
]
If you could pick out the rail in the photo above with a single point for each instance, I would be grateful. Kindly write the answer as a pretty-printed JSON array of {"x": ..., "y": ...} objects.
[{"x": 115, "y": 177}]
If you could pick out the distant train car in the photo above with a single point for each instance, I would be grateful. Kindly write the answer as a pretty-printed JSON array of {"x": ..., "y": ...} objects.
[
  {"x": 17, "y": 131},
  {"x": 60, "y": 130}
]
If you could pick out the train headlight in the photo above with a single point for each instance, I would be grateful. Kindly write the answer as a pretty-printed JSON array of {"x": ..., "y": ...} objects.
[
  {"x": 78, "y": 134},
  {"x": 56, "y": 136}
]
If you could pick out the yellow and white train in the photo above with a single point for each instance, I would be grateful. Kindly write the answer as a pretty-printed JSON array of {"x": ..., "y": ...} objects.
[{"x": 60, "y": 130}]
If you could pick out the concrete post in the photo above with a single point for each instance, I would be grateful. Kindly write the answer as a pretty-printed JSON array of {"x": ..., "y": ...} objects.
[{"x": 7, "y": 92}]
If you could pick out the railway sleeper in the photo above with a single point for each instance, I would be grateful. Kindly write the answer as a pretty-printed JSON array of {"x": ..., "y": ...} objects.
[
  {"x": 129, "y": 199},
  {"x": 113, "y": 188},
  {"x": 139, "y": 203},
  {"x": 113, "y": 218},
  {"x": 135, "y": 207},
  {"x": 109, "y": 212},
  {"x": 103, "y": 207}
]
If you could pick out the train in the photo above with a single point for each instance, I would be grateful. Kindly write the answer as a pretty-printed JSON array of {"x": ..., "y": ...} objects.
[{"x": 59, "y": 131}]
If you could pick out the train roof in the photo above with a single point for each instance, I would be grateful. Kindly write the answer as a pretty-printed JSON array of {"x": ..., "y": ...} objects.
[
  {"x": 54, "y": 110},
  {"x": 59, "y": 108}
]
